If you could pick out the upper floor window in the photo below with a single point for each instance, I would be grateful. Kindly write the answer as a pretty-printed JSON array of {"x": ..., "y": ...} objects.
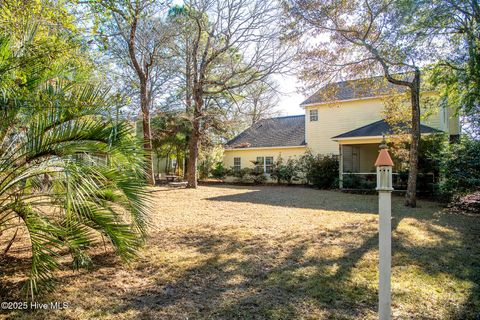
[
  {"x": 237, "y": 163},
  {"x": 314, "y": 115}
]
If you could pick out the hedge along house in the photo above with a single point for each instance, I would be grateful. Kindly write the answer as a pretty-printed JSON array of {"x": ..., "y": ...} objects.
[
  {"x": 266, "y": 141},
  {"x": 344, "y": 119}
]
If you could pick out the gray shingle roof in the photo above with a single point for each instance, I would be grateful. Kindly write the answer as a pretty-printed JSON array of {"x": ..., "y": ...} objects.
[
  {"x": 273, "y": 132},
  {"x": 379, "y": 128},
  {"x": 353, "y": 89}
]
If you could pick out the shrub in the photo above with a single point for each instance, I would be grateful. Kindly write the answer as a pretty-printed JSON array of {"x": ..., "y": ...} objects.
[
  {"x": 219, "y": 172},
  {"x": 285, "y": 172},
  {"x": 355, "y": 181},
  {"x": 241, "y": 174},
  {"x": 460, "y": 166},
  {"x": 256, "y": 175},
  {"x": 431, "y": 153},
  {"x": 321, "y": 170}
]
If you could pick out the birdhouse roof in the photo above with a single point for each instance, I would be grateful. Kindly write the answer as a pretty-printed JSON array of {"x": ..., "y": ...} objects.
[{"x": 384, "y": 159}]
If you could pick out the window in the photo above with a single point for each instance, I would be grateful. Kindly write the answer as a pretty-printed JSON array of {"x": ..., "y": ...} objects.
[
  {"x": 259, "y": 166},
  {"x": 314, "y": 115},
  {"x": 268, "y": 164},
  {"x": 237, "y": 164},
  {"x": 264, "y": 164}
]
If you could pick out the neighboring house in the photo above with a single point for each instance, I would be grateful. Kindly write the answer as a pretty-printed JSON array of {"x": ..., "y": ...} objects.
[{"x": 343, "y": 119}]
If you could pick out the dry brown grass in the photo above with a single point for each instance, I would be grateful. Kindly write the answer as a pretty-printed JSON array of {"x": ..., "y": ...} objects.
[{"x": 231, "y": 252}]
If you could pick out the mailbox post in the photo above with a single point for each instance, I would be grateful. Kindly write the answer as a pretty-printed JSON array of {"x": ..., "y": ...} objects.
[{"x": 384, "y": 166}]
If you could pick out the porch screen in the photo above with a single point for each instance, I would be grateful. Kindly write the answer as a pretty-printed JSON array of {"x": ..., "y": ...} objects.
[{"x": 351, "y": 159}]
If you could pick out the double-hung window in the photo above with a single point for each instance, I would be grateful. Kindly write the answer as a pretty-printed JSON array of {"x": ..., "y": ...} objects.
[
  {"x": 314, "y": 115},
  {"x": 237, "y": 164},
  {"x": 264, "y": 164},
  {"x": 259, "y": 165},
  {"x": 268, "y": 164}
]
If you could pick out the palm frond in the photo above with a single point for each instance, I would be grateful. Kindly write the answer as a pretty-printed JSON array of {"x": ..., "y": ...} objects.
[{"x": 69, "y": 175}]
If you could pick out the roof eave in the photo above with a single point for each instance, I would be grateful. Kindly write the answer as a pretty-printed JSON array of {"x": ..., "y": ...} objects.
[
  {"x": 304, "y": 105},
  {"x": 274, "y": 147},
  {"x": 376, "y": 137}
]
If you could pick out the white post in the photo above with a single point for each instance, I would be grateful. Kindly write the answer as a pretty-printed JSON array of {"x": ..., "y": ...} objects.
[
  {"x": 384, "y": 186},
  {"x": 340, "y": 167}
]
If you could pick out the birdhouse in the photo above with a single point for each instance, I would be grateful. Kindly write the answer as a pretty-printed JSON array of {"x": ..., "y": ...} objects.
[{"x": 384, "y": 166}]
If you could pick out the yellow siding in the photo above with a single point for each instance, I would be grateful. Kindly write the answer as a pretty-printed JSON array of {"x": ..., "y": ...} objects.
[
  {"x": 433, "y": 115},
  {"x": 453, "y": 122},
  {"x": 340, "y": 117},
  {"x": 249, "y": 155}
]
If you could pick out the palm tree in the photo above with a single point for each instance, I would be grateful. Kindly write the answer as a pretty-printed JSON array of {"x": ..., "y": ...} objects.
[{"x": 67, "y": 173}]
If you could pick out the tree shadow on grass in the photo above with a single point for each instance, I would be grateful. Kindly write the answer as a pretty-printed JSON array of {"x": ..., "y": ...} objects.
[
  {"x": 320, "y": 275},
  {"x": 255, "y": 279},
  {"x": 299, "y": 197},
  {"x": 455, "y": 254},
  {"x": 246, "y": 279}
]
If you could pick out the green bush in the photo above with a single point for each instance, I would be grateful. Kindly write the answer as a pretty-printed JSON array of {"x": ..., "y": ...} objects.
[
  {"x": 256, "y": 175},
  {"x": 285, "y": 172},
  {"x": 355, "y": 181},
  {"x": 219, "y": 172},
  {"x": 241, "y": 174},
  {"x": 321, "y": 170},
  {"x": 248, "y": 175},
  {"x": 460, "y": 168}
]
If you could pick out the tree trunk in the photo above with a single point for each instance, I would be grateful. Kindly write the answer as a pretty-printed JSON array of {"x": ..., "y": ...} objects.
[
  {"x": 193, "y": 144},
  {"x": 178, "y": 166},
  {"x": 188, "y": 101},
  {"x": 411, "y": 195},
  {"x": 166, "y": 163},
  {"x": 144, "y": 97},
  {"x": 147, "y": 142},
  {"x": 185, "y": 164},
  {"x": 194, "y": 141}
]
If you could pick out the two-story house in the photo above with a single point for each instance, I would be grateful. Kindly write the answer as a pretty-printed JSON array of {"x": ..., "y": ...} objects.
[{"x": 343, "y": 118}]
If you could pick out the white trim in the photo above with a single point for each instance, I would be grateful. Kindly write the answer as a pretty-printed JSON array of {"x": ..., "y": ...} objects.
[
  {"x": 356, "y": 99},
  {"x": 380, "y": 137},
  {"x": 261, "y": 148},
  {"x": 358, "y": 138}
]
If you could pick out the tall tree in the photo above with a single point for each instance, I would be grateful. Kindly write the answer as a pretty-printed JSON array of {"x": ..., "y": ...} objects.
[
  {"x": 137, "y": 37},
  {"x": 455, "y": 26},
  {"x": 259, "y": 101},
  {"x": 234, "y": 43},
  {"x": 178, "y": 18},
  {"x": 363, "y": 38}
]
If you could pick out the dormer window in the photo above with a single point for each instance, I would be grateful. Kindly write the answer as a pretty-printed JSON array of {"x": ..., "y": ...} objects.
[{"x": 314, "y": 115}]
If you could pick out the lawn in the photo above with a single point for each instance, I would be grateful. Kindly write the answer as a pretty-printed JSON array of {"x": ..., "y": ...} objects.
[{"x": 267, "y": 252}]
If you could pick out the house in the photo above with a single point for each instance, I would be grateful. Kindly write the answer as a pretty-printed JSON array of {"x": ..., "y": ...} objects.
[{"x": 343, "y": 118}]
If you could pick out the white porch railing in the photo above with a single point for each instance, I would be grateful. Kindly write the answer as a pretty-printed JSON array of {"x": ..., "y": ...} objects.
[{"x": 367, "y": 181}]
